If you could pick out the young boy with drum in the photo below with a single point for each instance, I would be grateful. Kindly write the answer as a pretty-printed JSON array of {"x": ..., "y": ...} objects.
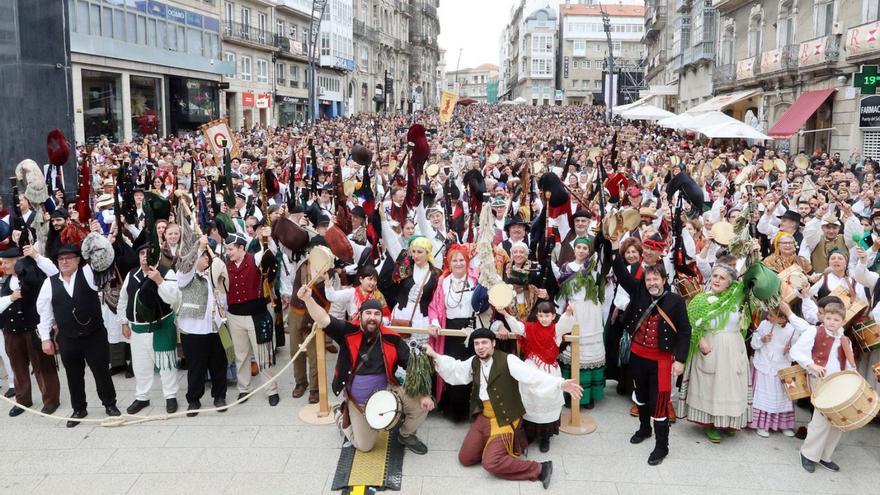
[{"x": 822, "y": 351}]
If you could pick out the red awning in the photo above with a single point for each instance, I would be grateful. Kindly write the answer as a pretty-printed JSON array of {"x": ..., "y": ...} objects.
[{"x": 800, "y": 111}]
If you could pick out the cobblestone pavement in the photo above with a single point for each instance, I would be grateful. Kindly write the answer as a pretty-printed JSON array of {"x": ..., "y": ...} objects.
[{"x": 256, "y": 449}]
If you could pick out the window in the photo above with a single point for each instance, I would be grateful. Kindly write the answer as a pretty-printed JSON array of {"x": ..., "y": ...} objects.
[
  {"x": 365, "y": 59},
  {"x": 871, "y": 12},
  {"x": 580, "y": 48},
  {"x": 294, "y": 76},
  {"x": 279, "y": 28},
  {"x": 575, "y": 65},
  {"x": 756, "y": 23},
  {"x": 245, "y": 17},
  {"x": 280, "y": 73},
  {"x": 325, "y": 43},
  {"x": 598, "y": 84},
  {"x": 728, "y": 46},
  {"x": 293, "y": 31},
  {"x": 230, "y": 57},
  {"x": 228, "y": 17},
  {"x": 262, "y": 70},
  {"x": 245, "y": 69},
  {"x": 586, "y": 64},
  {"x": 617, "y": 46},
  {"x": 541, "y": 67},
  {"x": 542, "y": 43},
  {"x": 261, "y": 26},
  {"x": 785, "y": 24},
  {"x": 824, "y": 15}
]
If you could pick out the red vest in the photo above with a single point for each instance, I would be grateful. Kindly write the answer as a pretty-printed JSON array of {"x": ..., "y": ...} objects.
[
  {"x": 244, "y": 281},
  {"x": 389, "y": 352},
  {"x": 822, "y": 348}
]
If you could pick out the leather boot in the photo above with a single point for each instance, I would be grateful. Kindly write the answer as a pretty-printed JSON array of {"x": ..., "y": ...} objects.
[
  {"x": 661, "y": 442},
  {"x": 644, "y": 431}
]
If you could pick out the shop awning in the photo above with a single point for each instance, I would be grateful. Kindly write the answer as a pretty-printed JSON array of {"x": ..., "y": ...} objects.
[
  {"x": 799, "y": 112},
  {"x": 718, "y": 103}
]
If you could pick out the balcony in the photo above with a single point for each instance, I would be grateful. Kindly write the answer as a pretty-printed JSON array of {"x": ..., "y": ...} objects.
[
  {"x": 429, "y": 10},
  {"x": 291, "y": 48},
  {"x": 819, "y": 53},
  {"x": 655, "y": 65},
  {"x": 403, "y": 7},
  {"x": 724, "y": 77},
  {"x": 729, "y": 5},
  {"x": 747, "y": 69},
  {"x": 676, "y": 62},
  {"x": 862, "y": 43},
  {"x": 682, "y": 5},
  {"x": 702, "y": 52},
  {"x": 358, "y": 28},
  {"x": 779, "y": 62},
  {"x": 655, "y": 19},
  {"x": 244, "y": 34}
]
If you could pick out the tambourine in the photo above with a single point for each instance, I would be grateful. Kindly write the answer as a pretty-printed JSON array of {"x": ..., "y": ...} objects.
[
  {"x": 321, "y": 261},
  {"x": 780, "y": 165},
  {"x": 432, "y": 170},
  {"x": 594, "y": 153},
  {"x": 716, "y": 163},
  {"x": 494, "y": 158},
  {"x": 501, "y": 295},
  {"x": 722, "y": 233},
  {"x": 457, "y": 142},
  {"x": 801, "y": 161}
]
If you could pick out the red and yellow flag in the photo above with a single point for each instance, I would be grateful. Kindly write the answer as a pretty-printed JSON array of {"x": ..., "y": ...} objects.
[{"x": 448, "y": 100}]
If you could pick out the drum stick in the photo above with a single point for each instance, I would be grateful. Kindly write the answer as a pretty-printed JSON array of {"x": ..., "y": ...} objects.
[
  {"x": 446, "y": 332},
  {"x": 320, "y": 275}
]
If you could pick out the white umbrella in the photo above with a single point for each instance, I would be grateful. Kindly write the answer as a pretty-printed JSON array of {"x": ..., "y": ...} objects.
[
  {"x": 709, "y": 119},
  {"x": 646, "y": 112},
  {"x": 734, "y": 129},
  {"x": 519, "y": 100},
  {"x": 677, "y": 122}
]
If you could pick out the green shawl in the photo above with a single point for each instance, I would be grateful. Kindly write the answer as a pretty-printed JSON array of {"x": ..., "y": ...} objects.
[{"x": 709, "y": 313}]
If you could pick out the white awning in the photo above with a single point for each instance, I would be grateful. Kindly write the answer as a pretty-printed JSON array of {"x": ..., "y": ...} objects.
[
  {"x": 718, "y": 103},
  {"x": 629, "y": 106}
]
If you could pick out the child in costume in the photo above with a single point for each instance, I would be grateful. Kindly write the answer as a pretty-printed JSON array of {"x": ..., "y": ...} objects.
[{"x": 771, "y": 407}]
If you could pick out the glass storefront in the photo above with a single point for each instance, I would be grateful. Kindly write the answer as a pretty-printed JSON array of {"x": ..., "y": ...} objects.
[
  {"x": 146, "y": 106},
  {"x": 291, "y": 110},
  {"x": 193, "y": 102},
  {"x": 102, "y": 106}
]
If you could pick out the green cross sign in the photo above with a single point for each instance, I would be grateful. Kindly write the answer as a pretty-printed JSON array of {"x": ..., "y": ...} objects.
[{"x": 867, "y": 79}]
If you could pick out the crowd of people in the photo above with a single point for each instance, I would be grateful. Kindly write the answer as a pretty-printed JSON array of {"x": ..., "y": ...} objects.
[{"x": 520, "y": 224}]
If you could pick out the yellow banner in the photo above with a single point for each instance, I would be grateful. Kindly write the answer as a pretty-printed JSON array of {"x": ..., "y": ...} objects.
[{"x": 448, "y": 100}]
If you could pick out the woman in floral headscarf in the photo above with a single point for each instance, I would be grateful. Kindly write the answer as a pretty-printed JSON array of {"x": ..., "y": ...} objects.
[
  {"x": 581, "y": 286},
  {"x": 715, "y": 389},
  {"x": 451, "y": 308}
]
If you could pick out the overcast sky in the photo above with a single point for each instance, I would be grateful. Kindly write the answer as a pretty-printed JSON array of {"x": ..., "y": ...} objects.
[{"x": 474, "y": 26}]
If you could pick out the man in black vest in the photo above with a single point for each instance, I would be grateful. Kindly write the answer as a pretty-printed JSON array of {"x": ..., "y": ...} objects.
[
  {"x": 144, "y": 311},
  {"x": 497, "y": 407},
  {"x": 71, "y": 300},
  {"x": 19, "y": 318},
  {"x": 657, "y": 322}
]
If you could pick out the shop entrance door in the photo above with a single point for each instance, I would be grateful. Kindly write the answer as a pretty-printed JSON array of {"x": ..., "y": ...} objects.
[{"x": 248, "y": 119}]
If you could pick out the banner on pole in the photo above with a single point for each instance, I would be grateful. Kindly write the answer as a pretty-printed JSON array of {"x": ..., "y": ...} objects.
[
  {"x": 219, "y": 136},
  {"x": 448, "y": 100}
]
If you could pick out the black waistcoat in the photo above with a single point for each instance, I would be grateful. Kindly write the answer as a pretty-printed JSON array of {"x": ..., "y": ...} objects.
[{"x": 76, "y": 316}]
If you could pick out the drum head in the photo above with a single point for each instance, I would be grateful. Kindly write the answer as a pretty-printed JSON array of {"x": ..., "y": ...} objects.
[
  {"x": 836, "y": 389},
  {"x": 501, "y": 295},
  {"x": 320, "y": 260},
  {"x": 432, "y": 169},
  {"x": 381, "y": 409},
  {"x": 457, "y": 142}
]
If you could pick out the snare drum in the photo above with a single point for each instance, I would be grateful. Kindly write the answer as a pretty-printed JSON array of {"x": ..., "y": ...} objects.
[
  {"x": 846, "y": 400},
  {"x": 383, "y": 410},
  {"x": 688, "y": 287},
  {"x": 794, "y": 379},
  {"x": 867, "y": 334}
]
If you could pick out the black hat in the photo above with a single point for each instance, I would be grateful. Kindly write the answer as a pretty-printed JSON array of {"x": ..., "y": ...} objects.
[
  {"x": 59, "y": 212},
  {"x": 358, "y": 211},
  {"x": 322, "y": 220},
  {"x": 295, "y": 207},
  {"x": 142, "y": 242},
  {"x": 581, "y": 214},
  {"x": 68, "y": 248},
  {"x": 793, "y": 216},
  {"x": 516, "y": 220},
  {"x": 370, "y": 304},
  {"x": 11, "y": 252},
  {"x": 482, "y": 333}
]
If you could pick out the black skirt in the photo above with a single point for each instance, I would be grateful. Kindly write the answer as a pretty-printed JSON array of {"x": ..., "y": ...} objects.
[{"x": 455, "y": 400}]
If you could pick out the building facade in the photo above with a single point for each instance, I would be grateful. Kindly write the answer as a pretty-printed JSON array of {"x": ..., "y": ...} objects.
[
  {"x": 382, "y": 52},
  {"x": 583, "y": 48},
  {"x": 474, "y": 83},
  {"x": 425, "y": 54},
  {"x": 142, "y": 68},
  {"x": 536, "y": 81},
  {"x": 292, "y": 23}
]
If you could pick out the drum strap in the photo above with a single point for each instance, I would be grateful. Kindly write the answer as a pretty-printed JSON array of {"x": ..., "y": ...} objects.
[
  {"x": 357, "y": 368},
  {"x": 668, "y": 320}
]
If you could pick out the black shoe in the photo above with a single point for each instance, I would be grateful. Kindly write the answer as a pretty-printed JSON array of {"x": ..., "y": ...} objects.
[
  {"x": 274, "y": 400},
  {"x": 193, "y": 406},
  {"x": 657, "y": 457},
  {"x": 171, "y": 405},
  {"x": 10, "y": 393},
  {"x": 49, "y": 408},
  {"x": 77, "y": 415},
  {"x": 590, "y": 405},
  {"x": 112, "y": 410},
  {"x": 15, "y": 411},
  {"x": 639, "y": 436},
  {"x": 808, "y": 465},
  {"x": 546, "y": 471},
  {"x": 115, "y": 370},
  {"x": 137, "y": 405},
  {"x": 221, "y": 403},
  {"x": 413, "y": 443},
  {"x": 129, "y": 373},
  {"x": 829, "y": 465},
  {"x": 241, "y": 395},
  {"x": 181, "y": 364},
  {"x": 544, "y": 444}
]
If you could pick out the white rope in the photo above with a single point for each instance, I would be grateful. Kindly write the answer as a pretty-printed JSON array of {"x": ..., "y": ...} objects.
[{"x": 133, "y": 419}]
